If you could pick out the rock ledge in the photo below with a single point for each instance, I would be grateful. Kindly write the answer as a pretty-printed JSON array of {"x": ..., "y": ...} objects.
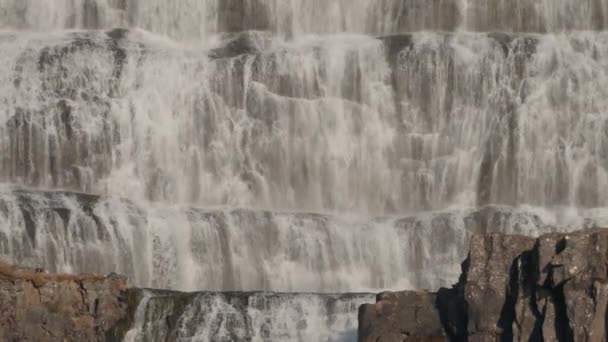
[
  {"x": 36, "y": 306},
  {"x": 512, "y": 288}
]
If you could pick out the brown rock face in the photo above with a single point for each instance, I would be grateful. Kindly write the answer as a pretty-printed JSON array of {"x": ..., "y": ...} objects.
[
  {"x": 52, "y": 307},
  {"x": 487, "y": 275},
  {"x": 415, "y": 311},
  {"x": 513, "y": 288}
]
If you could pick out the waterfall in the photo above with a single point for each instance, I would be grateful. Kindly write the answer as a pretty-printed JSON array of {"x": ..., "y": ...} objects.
[
  {"x": 247, "y": 317},
  {"x": 240, "y": 250},
  {"x": 196, "y": 19},
  {"x": 293, "y": 146},
  {"x": 395, "y": 125}
]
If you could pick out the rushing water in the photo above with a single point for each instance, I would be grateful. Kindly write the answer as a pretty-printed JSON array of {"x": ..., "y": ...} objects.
[
  {"x": 246, "y": 317},
  {"x": 240, "y": 250},
  {"x": 196, "y": 19},
  {"x": 342, "y": 124},
  {"x": 293, "y": 146}
]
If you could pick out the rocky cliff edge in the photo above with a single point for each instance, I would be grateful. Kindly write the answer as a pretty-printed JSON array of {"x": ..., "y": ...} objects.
[
  {"x": 36, "y": 306},
  {"x": 512, "y": 288}
]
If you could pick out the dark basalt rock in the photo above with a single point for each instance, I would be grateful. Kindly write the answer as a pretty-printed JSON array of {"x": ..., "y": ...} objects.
[{"x": 513, "y": 288}]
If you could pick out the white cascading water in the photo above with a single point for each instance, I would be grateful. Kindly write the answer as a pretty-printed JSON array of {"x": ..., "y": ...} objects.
[
  {"x": 293, "y": 146},
  {"x": 244, "y": 250},
  {"x": 195, "y": 20},
  {"x": 247, "y": 317}
]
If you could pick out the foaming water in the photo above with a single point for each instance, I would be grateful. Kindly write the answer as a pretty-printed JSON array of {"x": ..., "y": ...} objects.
[
  {"x": 246, "y": 316},
  {"x": 247, "y": 250},
  {"x": 341, "y": 124},
  {"x": 292, "y": 146}
]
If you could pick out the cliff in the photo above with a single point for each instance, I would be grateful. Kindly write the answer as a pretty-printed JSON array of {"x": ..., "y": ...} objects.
[
  {"x": 512, "y": 288},
  {"x": 36, "y": 306}
]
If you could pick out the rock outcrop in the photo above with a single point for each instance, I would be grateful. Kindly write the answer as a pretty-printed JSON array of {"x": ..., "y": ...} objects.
[
  {"x": 37, "y": 306},
  {"x": 512, "y": 288}
]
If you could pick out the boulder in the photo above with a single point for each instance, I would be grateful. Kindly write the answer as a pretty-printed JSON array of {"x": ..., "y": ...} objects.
[{"x": 513, "y": 288}]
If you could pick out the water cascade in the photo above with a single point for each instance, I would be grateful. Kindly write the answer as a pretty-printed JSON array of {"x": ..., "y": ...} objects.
[{"x": 299, "y": 147}]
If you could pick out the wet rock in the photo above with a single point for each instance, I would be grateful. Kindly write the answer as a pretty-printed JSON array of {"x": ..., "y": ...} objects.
[
  {"x": 248, "y": 42},
  {"x": 37, "y": 306},
  {"x": 400, "y": 316},
  {"x": 513, "y": 288},
  {"x": 487, "y": 273}
]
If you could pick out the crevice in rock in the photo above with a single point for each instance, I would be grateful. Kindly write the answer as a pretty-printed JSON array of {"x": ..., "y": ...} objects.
[
  {"x": 507, "y": 314},
  {"x": 83, "y": 294},
  {"x": 563, "y": 330},
  {"x": 46, "y": 330},
  {"x": 530, "y": 281},
  {"x": 554, "y": 289},
  {"x": 560, "y": 246},
  {"x": 452, "y": 314}
]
